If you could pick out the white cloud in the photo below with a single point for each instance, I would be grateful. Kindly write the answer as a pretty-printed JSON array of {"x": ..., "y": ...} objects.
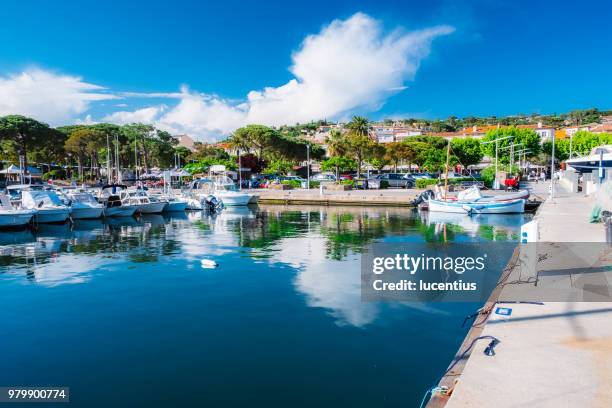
[
  {"x": 48, "y": 96},
  {"x": 144, "y": 115},
  {"x": 349, "y": 65}
]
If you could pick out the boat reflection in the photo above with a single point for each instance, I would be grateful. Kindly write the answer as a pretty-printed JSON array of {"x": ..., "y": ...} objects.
[
  {"x": 321, "y": 245},
  {"x": 490, "y": 227}
]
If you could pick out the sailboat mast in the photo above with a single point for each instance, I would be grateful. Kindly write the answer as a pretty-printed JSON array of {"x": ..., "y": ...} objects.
[{"x": 446, "y": 177}]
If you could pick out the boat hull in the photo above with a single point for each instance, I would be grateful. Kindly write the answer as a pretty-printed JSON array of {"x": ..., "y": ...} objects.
[
  {"x": 49, "y": 215},
  {"x": 193, "y": 205},
  {"x": 495, "y": 207},
  {"x": 235, "y": 199},
  {"x": 174, "y": 206},
  {"x": 152, "y": 208},
  {"x": 121, "y": 211},
  {"x": 15, "y": 218},
  {"x": 86, "y": 213}
]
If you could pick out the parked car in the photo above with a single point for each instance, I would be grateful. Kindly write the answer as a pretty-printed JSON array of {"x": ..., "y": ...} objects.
[
  {"x": 298, "y": 178},
  {"x": 396, "y": 180},
  {"x": 323, "y": 177},
  {"x": 417, "y": 176},
  {"x": 451, "y": 175}
]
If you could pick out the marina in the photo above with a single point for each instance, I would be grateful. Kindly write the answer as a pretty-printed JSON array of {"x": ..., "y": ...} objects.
[
  {"x": 286, "y": 290},
  {"x": 378, "y": 204}
]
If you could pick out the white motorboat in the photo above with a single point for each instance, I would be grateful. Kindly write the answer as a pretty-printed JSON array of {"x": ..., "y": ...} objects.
[
  {"x": 225, "y": 189},
  {"x": 600, "y": 158},
  {"x": 145, "y": 203},
  {"x": 201, "y": 197},
  {"x": 175, "y": 204},
  {"x": 48, "y": 205},
  {"x": 83, "y": 205},
  {"x": 113, "y": 207},
  {"x": 11, "y": 216}
]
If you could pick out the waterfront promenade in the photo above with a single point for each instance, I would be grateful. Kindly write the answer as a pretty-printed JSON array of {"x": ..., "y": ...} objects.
[{"x": 550, "y": 353}]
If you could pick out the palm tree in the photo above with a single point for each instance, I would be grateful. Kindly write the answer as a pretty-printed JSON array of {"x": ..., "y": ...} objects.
[
  {"x": 359, "y": 139},
  {"x": 337, "y": 145}
]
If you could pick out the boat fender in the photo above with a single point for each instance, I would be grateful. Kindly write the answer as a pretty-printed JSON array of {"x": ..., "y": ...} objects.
[{"x": 208, "y": 263}]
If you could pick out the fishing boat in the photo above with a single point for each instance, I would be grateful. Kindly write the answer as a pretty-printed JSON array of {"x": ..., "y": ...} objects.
[
  {"x": 11, "y": 216},
  {"x": 83, "y": 205},
  {"x": 474, "y": 194},
  {"x": 516, "y": 206},
  {"x": 471, "y": 202},
  {"x": 49, "y": 207},
  {"x": 113, "y": 206}
]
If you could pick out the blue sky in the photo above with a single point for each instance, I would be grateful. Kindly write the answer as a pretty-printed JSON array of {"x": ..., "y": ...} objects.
[{"x": 474, "y": 58}]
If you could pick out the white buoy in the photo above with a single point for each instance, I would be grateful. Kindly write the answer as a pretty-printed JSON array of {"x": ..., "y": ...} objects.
[{"x": 208, "y": 263}]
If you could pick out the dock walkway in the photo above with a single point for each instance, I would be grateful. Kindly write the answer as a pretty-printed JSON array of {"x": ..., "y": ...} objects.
[{"x": 552, "y": 354}]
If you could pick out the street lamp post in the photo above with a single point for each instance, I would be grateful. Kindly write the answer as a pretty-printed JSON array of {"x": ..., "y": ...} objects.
[
  {"x": 308, "y": 167},
  {"x": 552, "y": 170},
  {"x": 239, "y": 172},
  {"x": 497, "y": 139}
]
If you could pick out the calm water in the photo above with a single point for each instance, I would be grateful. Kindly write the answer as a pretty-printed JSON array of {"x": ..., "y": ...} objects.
[{"x": 123, "y": 314}]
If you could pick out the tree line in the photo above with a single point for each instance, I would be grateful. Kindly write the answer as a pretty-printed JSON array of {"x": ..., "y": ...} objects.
[
  {"x": 86, "y": 146},
  {"x": 261, "y": 148}
]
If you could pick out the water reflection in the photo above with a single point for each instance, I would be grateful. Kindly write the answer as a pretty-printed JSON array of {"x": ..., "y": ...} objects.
[{"x": 322, "y": 245}]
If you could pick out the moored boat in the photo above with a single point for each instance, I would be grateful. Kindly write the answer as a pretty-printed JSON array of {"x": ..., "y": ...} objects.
[
  {"x": 225, "y": 189},
  {"x": 175, "y": 204},
  {"x": 144, "y": 203},
  {"x": 83, "y": 205},
  {"x": 13, "y": 217},
  {"x": 49, "y": 207},
  {"x": 516, "y": 206},
  {"x": 113, "y": 206}
]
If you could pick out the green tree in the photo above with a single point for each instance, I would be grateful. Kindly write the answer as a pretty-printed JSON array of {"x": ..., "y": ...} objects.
[
  {"x": 256, "y": 138},
  {"x": 79, "y": 143},
  {"x": 527, "y": 138},
  {"x": 140, "y": 138},
  {"x": 337, "y": 143},
  {"x": 204, "y": 150},
  {"x": 467, "y": 150},
  {"x": 279, "y": 166},
  {"x": 162, "y": 148},
  {"x": 395, "y": 152},
  {"x": 183, "y": 153},
  {"x": 25, "y": 132},
  {"x": 377, "y": 156},
  {"x": 338, "y": 164}
]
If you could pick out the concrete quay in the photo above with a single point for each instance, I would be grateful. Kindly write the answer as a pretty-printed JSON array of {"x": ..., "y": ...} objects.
[
  {"x": 552, "y": 352},
  {"x": 388, "y": 197}
]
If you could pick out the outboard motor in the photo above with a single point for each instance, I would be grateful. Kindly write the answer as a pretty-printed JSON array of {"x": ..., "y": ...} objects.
[
  {"x": 212, "y": 204},
  {"x": 423, "y": 197}
]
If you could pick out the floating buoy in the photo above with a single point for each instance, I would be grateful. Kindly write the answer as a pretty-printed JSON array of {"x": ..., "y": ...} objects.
[{"x": 208, "y": 263}]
